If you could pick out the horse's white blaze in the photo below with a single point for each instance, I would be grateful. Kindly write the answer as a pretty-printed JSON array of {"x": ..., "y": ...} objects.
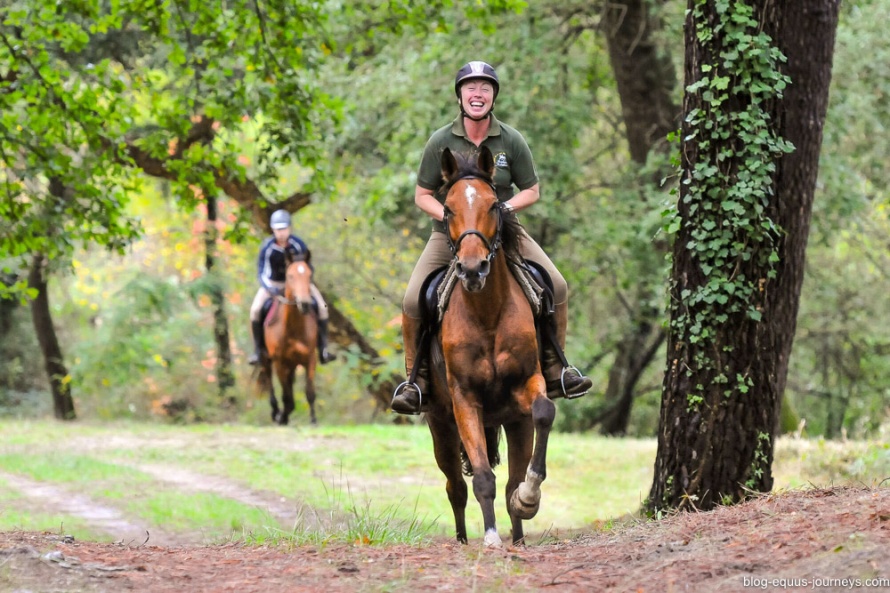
[
  {"x": 301, "y": 268},
  {"x": 470, "y": 193}
]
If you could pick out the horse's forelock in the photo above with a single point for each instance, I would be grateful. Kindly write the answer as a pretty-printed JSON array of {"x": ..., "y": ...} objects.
[{"x": 467, "y": 166}]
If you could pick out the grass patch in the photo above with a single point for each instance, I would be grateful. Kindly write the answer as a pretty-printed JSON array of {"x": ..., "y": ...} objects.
[
  {"x": 215, "y": 517},
  {"x": 65, "y": 468},
  {"x": 365, "y": 483},
  {"x": 358, "y": 525},
  {"x": 805, "y": 462}
]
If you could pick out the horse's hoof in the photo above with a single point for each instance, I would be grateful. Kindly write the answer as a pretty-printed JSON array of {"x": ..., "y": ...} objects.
[
  {"x": 525, "y": 502},
  {"x": 492, "y": 539}
]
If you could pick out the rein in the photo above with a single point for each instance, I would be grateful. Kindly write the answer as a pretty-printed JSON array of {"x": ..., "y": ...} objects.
[{"x": 286, "y": 301}]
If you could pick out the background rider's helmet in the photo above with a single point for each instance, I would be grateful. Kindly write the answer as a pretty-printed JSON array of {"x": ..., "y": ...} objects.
[
  {"x": 476, "y": 70},
  {"x": 280, "y": 220}
]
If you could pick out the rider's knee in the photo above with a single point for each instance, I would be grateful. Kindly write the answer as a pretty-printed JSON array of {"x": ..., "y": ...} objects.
[{"x": 560, "y": 288}]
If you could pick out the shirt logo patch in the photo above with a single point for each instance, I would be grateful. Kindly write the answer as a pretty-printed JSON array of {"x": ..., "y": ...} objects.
[{"x": 500, "y": 160}]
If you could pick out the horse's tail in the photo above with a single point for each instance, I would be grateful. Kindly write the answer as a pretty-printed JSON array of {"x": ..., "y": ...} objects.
[{"x": 492, "y": 443}]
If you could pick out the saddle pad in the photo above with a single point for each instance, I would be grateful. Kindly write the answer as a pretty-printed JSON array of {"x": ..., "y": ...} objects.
[{"x": 530, "y": 287}]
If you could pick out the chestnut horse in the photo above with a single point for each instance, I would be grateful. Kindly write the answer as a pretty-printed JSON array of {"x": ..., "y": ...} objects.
[
  {"x": 492, "y": 372},
  {"x": 290, "y": 332}
]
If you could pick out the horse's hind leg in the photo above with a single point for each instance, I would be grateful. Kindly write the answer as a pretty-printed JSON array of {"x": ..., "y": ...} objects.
[
  {"x": 446, "y": 447},
  {"x": 527, "y": 497}
]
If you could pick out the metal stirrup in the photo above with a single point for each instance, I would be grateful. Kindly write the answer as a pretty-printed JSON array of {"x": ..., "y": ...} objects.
[
  {"x": 419, "y": 392},
  {"x": 562, "y": 381}
]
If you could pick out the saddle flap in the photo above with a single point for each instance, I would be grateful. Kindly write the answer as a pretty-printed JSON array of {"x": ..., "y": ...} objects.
[
  {"x": 268, "y": 310},
  {"x": 430, "y": 296},
  {"x": 542, "y": 279}
]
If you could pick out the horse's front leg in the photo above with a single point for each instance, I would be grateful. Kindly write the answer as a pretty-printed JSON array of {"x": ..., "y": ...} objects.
[
  {"x": 266, "y": 378},
  {"x": 527, "y": 497},
  {"x": 286, "y": 378},
  {"x": 310, "y": 391},
  {"x": 520, "y": 445},
  {"x": 468, "y": 415}
]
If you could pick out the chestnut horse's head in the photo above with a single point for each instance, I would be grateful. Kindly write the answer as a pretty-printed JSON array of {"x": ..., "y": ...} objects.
[
  {"x": 473, "y": 217},
  {"x": 297, "y": 280}
]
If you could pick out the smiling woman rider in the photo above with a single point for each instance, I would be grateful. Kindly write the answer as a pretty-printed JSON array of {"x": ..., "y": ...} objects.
[{"x": 476, "y": 86}]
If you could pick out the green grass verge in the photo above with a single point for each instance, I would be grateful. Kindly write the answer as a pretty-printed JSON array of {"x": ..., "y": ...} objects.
[{"x": 375, "y": 483}]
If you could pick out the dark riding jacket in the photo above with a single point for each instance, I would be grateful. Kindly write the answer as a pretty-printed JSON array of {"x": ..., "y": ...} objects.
[
  {"x": 273, "y": 262},
  {"x": 513, "y": 160}
]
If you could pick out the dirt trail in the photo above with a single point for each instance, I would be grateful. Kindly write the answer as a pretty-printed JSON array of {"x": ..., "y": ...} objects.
[
  {"x": 287, "y": 513},
  {"x": 51, "y": 499},
  {"x": 829, "y": 540}
]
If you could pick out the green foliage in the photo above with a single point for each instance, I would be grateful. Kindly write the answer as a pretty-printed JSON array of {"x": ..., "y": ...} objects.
[
  {"x": 726, "y": 212},
  {"x": 840, "y": 371},
  {"x": 761, "y": 461},
  {"x": 341, "y": 97}
]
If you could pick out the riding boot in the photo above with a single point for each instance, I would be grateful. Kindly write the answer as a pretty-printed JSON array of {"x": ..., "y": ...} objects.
[
  {"x": 408, "y": 396},
  {"x": 258, "y": 341},
  {"x": 324, "y": 357},
  {"x": 562, "y": 381}
]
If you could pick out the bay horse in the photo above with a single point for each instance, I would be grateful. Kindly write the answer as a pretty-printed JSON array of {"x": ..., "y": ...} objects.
[
  {"x": 492, "y": 373},
  {"x": 290, "y": 333}
]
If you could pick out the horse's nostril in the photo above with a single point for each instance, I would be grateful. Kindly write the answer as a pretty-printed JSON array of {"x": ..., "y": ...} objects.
[{"x": 484, "y": 268}]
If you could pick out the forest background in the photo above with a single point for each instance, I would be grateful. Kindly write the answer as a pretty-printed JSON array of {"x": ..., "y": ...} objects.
[{"x": 137, "y": 322}]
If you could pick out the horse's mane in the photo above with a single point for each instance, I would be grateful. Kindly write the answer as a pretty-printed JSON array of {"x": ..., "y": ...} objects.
[{"x": 467, "y": 167}]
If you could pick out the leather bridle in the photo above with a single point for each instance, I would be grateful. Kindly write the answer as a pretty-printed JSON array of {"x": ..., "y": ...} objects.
[{"x": 492, "y": 244}]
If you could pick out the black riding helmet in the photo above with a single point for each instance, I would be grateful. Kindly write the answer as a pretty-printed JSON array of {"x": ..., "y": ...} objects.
[{"x": 476, "y": 70}]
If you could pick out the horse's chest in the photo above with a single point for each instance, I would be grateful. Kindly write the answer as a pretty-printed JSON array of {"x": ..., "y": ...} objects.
[{"x": 482, "y": 364}]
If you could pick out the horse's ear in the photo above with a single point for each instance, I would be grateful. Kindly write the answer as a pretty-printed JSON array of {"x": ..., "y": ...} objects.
[
  {"x": 308, "y": 256},
  {"x": 449, "y": 165},
  {"x": 485, "y": 161}
]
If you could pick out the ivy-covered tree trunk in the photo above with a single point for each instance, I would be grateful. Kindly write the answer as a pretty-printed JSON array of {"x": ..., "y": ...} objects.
[
  {"x": 749, "y": 162},
  {"x": 63, "y": 403},
  {"x": 645, "y": 78}
]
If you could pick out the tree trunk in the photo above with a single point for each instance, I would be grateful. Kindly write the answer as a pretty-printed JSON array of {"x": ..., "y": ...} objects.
[
  {"x": 345, "y": 335},
  {"x": 726, "y": 368},
  {"x": 645, "y": 77},
  {"x": 224, "y": 374},
  {"x": 63, "y": 403},
  {"x": 634, "y": 353}
]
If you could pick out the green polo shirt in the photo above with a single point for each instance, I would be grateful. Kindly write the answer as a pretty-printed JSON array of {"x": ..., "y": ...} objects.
[{"x": 513, "y": 160}]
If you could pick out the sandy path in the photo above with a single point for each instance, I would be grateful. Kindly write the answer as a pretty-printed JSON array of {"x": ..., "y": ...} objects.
[{"x": 52, "y": 499}]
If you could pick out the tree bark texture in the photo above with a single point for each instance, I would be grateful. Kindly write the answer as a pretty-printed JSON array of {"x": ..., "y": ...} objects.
[
  {"x": 645, "y": 78},
  {"x": 224, "y": 374},
  {"x": 718, "y": 450},
  {"x": 63, "y": 403}
]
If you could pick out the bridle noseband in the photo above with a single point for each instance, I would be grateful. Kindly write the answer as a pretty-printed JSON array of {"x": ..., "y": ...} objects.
[{"x": 491, "y": 245}]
